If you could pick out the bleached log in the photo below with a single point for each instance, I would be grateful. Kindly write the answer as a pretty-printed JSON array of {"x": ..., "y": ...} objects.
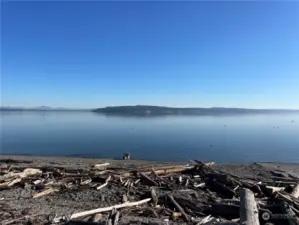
[
  {"x": 125, "y": 198},
  {"x": 101, "y": 166},
  {"x": 26, "y": 173},
  {"x": 168, "y": 171},
  {"x": 154, "y": 197},
  {"x": 86, "y": 182},
  {"x": 248, "y": 208},
  {"x": 275, "y": 189},
  {"x": 15, "y": 181},
  {"x": 201, "y": 185},
  {"x": 97, "y": 217},
  {"x": 10, "y": 183},
  {"x": 108, "y": 179},
  {"x": 37, "y": 182},
  {"x": 100, "y": 210},
  {"x": 116, "y": 218},
  {"x": 101, "y": 186},
  {"x": 31, "y": 172},
  {"x": 295, "y": 192},
  {"x": 137, "y": 181},
  {"x": 206, "y": 220}
]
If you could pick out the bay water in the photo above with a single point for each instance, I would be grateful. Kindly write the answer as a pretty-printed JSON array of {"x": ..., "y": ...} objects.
[{"x": 223, "y": 139}]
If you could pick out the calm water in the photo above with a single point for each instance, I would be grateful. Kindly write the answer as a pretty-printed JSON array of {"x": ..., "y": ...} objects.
[{"x": 218, "y": 138}]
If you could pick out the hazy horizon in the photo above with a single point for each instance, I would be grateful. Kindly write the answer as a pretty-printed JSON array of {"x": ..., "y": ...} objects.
[
  {"x": 62, "y": 107},
  {"x": 176, "y": 54}
]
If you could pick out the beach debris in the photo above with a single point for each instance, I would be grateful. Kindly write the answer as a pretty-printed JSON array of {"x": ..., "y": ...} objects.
[{"x": 197, "y": 193}]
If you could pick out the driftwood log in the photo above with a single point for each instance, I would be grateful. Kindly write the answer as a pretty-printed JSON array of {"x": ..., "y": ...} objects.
[
  {"x": 100, "y": 210},
  {"x": 154, "y": 197},
  {"x": 148, "y": 180},
  {"x": 178, "y": 207},
  {"x": 291, "y": 215},
  {"x": 295, "y": 192},
  {"x": 248, "y": 208},
  {"x": 221, "y": 189},
  {"x": 176, "y": 194}
]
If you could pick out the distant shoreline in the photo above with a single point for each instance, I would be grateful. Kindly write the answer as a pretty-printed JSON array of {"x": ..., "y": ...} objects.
[
  {"x": 143, "y": 110},
  {"x": 87, "y": 160}
]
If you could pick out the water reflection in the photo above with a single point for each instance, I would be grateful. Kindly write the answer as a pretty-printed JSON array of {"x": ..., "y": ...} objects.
[{"x": 234, "y": 138}]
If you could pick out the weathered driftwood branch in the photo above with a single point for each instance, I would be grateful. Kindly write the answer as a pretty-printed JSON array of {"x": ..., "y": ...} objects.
[
  {"x": 85, "y": 182},
  {"x": 116, "y": 218},
  {"x": 168, "y": 171},
  {"x": 158, "y": 171},
  {"x": 105, "y": 184},
  {"x": 286, "y": 198},
  {"x": 291, "y": 215},
  {"x": 208, "y": 168},
  {"x": 108, "y": 179},
  {"x": 221, "y": 189},
  {"x": 26, "y": 173},
  {"x": 101, "y": 186},
  {"x": 99, "y": 210},
  {"x": 206, "y": 220},
  {"x": 160, "y": 178},
  {"x": 223, "y": 178},
  {"x": 275, "y": 189},
  {"x": 295, "y": 192},
  {"x": 296, "y": 211},
  {"x": 97, "y": 217},
  {"x": 178, "y": 207},
  {"x": 10, "y": 183},
  {"x": 162, "y": 167},
  {"x": 45, "y": 192},
  {"x": 148, "y": 179},
  {"x": 248, "y": 208},
  {"x": 101, "y": 166},
  {"x": 154, "y": 197}
]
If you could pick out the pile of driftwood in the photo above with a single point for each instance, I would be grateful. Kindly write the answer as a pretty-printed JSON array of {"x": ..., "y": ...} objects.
[{"x": 177, "y": 194}]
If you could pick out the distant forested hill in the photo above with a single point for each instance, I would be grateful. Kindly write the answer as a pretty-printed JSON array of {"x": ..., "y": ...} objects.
[{"x": 158, "y": 110}]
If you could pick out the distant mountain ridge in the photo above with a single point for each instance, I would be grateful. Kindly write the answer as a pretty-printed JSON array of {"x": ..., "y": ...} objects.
[
  {"x": 38, "y": 108},
  {"x": 162, "y": 110}
]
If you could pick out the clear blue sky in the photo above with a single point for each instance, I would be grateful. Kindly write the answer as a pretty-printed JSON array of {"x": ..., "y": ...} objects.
[{"x": 93, "y": 54}]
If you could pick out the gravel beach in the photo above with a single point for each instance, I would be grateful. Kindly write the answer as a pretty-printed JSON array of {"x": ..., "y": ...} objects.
[{"x": 19, "y": 199}]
